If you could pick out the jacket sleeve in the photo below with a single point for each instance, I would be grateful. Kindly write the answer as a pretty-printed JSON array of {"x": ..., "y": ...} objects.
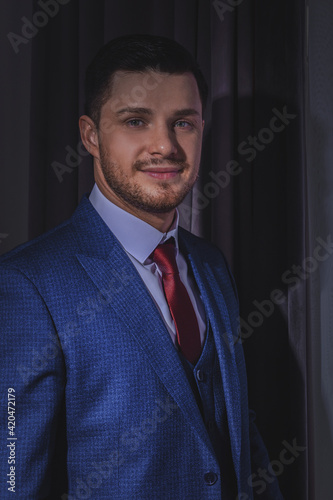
[{"x": 32, "y": 389}]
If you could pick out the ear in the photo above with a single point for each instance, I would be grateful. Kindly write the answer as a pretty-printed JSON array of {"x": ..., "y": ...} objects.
[{"x": 89, "y": 135}]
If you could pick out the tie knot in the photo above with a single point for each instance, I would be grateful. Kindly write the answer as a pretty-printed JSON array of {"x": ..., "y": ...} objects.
[{"x": 164, "y": 256}]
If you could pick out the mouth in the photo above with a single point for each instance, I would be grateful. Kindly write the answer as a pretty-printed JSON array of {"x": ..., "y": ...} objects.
[{"x": 162, "y": 173}]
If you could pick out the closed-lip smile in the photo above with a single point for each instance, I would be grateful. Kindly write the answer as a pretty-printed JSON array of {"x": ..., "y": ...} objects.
[{"x": 162, "y": 172}]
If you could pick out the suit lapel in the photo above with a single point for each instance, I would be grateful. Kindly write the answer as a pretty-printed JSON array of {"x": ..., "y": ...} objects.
[
  {"x": 137, "y": 312},
  {"x": 218, "y": 315}
]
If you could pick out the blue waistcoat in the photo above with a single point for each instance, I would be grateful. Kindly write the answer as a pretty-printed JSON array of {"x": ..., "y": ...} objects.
[{"x": 206, "y": 383}]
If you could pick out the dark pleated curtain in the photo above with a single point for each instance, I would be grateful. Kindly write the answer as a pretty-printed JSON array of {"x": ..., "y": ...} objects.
[
  {"x": 258, "y": 215},
  {"x": 249, "y": 199},
  {"x": 320, "y": 200}
]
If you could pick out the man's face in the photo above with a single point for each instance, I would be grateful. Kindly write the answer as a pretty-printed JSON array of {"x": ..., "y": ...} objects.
[{"x": 149, "y": 141}]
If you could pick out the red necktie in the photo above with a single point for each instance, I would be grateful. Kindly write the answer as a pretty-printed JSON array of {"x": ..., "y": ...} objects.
[{"x": 180, "y": 305}]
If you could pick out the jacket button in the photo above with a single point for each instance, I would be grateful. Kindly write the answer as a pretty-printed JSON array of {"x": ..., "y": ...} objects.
[
  {"x": 210, "y": 478},
  {"x": 200, "y": 375}
]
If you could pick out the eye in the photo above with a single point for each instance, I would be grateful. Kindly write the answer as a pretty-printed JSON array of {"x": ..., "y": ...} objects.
[
  {"x": 135, "y": 122},
  {"x": 183, "y": 124}
]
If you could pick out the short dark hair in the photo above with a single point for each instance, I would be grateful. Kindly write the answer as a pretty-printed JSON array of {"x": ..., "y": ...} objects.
[{"x": 137, "y": 53}]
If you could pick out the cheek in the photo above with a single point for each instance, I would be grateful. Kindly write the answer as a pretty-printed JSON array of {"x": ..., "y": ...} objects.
[
  {"x": 192, "y": 146},
  {"x": 121, "y": 148}
]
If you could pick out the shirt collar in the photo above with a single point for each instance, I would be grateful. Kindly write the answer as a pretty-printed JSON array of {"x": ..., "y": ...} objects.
[{"x": 137, "y": 237}]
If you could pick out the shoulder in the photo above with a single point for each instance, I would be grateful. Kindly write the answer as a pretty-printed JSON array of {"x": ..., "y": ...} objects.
[
  {"x": 208, "y": 254},
  {"x": 207, "y": 250},
  {"x": 53, "y": 249},
  {"x": 41, "y": 250}
]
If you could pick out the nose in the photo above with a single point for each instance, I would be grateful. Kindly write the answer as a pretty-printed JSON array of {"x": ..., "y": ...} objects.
[{"x": 162, "y": 142}]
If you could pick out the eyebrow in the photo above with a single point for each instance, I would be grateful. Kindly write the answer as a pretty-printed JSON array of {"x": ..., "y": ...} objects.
[
  {"x": 144, "y": 111},
  {"x": 147, "y": 111},
  {"x": 187, "y": 112}
]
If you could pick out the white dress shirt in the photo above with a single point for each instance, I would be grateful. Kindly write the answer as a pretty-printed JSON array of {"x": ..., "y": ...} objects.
[{"x": 139, "y": 239}]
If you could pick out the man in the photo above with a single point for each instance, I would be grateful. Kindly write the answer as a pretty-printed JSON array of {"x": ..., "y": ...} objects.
[{"x": 118, "y": 326}]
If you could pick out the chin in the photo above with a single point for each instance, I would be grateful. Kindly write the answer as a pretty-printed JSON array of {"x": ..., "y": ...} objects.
[{"x": 157, "y": 208}]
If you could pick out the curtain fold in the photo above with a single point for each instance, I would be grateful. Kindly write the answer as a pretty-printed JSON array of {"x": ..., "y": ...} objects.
[
  {"x": 256, "y": 210},
  {"x": 319, "y": 183}
]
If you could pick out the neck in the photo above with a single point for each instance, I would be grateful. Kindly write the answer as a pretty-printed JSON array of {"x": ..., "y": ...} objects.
[{"x": 160, "y": 221}]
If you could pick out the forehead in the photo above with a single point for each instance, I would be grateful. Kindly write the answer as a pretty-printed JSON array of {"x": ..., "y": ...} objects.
[{"x": 154, "y": 89}]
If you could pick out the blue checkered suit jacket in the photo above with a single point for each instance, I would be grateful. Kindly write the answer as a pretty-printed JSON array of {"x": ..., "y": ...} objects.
[{"x": 103, "y": 408}]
